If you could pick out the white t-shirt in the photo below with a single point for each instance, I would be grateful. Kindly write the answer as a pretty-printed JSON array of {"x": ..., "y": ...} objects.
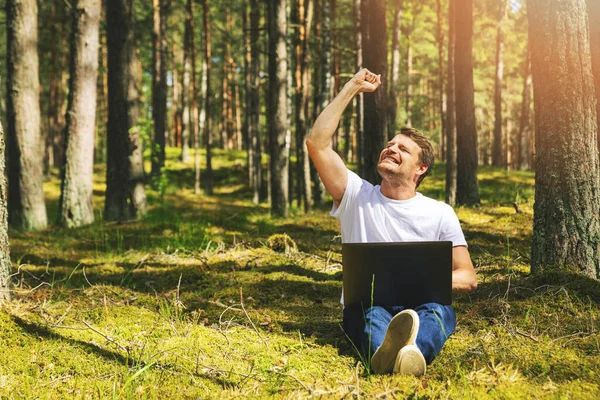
[{"x": 366, "y": 215}]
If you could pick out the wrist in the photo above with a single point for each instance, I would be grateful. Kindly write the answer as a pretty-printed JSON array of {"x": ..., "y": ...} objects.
[{"x": 353, "y": 87}]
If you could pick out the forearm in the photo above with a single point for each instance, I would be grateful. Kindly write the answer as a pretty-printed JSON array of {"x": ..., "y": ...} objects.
[
  {"x": 464, "y": 280},
  {"x": 329, "y": 119}
]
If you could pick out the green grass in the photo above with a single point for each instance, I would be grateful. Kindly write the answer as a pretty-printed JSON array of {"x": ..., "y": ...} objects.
[{"x": 192, "y": 302}]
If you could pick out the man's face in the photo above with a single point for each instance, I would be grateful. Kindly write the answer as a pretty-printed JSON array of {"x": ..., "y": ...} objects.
[{"x": 400, "y": 159}]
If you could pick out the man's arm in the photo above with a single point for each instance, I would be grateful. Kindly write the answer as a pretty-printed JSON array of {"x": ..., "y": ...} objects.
[
  {"x": 329, "y": 165},
  {"x": 464, "y": 278}
]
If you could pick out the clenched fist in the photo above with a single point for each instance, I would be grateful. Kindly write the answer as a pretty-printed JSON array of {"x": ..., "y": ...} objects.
[{"x": 366, "y": 81}]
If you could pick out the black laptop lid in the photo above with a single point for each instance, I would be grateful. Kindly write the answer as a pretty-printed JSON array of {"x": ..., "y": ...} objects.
[{"x": 404, "y": 274}]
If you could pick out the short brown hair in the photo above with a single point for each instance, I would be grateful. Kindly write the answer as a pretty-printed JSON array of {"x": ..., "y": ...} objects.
[{"x": 427, "y": 154}]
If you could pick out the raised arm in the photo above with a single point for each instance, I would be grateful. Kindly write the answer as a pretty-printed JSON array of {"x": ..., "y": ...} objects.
[{"x": 329, "y": 165}]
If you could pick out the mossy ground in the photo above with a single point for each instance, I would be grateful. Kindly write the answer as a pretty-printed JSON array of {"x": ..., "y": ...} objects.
[{"x": 191, "y": 302}]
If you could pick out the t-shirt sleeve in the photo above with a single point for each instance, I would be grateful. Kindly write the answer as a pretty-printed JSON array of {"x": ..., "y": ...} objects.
[
  {"x": 352, "y": 189},
  {"x": 450, "y": 229}
]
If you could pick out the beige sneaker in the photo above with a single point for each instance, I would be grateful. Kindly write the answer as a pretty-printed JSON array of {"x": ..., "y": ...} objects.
[
  {"x": 401, "y": 331},
  {"x": 410, "y": 361}
]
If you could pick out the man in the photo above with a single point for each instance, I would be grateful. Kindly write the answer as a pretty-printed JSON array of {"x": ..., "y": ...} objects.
[{"x": 404, "y": 341}]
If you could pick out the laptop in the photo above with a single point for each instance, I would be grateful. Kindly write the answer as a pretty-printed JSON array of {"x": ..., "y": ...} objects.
[{"x": 389, "y": 273}]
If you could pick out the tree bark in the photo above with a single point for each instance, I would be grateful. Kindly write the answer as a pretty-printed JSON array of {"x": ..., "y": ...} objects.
[
  {"x": 194, "y": 120},
  {"x": 566, "y": 232},
  {"x": 208, "y": 180},
  {"x": 374, "y": 41},
  {"x": 359, "y": 100},
  {"x": 125, "y": 194},
  {"x": 396, "y": 59},
  {"x": 159, "y": 84},
  {"x": 498, "y": 159},
  {"x": 75, "y": 204},
  {"x": 26, "y": 207},
  {"x": 467, "y": 191},
  {"x": 593, "y": 7},
  {"x": 5, "y": 264},
  {"x": 277, "y": 103},
  {"x": 524, "y": 148},
  {"x": 442, "y": 94},
  {"x": 186, "y": 88}
]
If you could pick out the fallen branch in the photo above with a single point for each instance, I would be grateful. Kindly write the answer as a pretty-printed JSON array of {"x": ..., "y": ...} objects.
[
  {"x": 250, "y": 319},
  {"x": 127, "y": 349}
]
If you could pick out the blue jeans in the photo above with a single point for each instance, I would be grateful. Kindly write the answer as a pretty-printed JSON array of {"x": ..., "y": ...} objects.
[{"x": 366, "y": 327}]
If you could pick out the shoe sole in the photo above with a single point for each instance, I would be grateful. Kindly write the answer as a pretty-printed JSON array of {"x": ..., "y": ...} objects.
[
  {"x": 397, "y": 336},
  {"x": 410, "y": 362}
]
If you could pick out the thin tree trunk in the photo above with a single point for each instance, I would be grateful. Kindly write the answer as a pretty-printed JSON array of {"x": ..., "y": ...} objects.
[
  {"x": 26, "y": 207},
  {"x": 254, "y": 138},
  {"x": 396, "y": 60},
  {"x": 75, "y": 205},
  {"x": 194, "y": 120},
  {"x": 186, "y": 88},
  {"x": 374, "y": 41},
  {"x": 159, "y": 84},
  {"x": 467, "y": 191},
  {"x": 566, "y": 229},
  {"x": 277, "y": 103},
  {"x": 442, "y": 94},
  {"x": 208, "y": 181},
  {"x": 498, "y": 159},
  {"x": 5, "y": 263},
  {"x": 523, "y": 143},
  {"x": 176, "y": 98},
  {"x": 125, "y": 195},
  {"x": 359, "y": 100},
  {"x": 102, "y": 110}
]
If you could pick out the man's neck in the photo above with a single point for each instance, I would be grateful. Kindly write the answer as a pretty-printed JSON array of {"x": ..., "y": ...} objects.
[{"x": 398, "y": 191}]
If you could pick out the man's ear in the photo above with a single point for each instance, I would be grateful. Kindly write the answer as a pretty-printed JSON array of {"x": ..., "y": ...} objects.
[{"x": 421, "y": 169}]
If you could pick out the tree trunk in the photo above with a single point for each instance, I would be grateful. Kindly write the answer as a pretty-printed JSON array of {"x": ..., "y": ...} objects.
[
  {"x": 75, "y": 205},
  {"x": 304, "y": 13},
  {"x": 359, "y": 100},
  {"x": 566, "y": 232},
  {"x": 26, "y": 207},
  {"x": 277, "y": 103},
  {"x": 593, "y": 7},
  {"x": 186, "y": 88},
  {"x": 208, "y": 180},
  {"x": 396, "y": 59},
  {"x": 5, "y": 264},
  {"x": 253, "y": 110},
  {"x": 159, "y": 84},
  {"x": 498, "y": 159},
  {"x": 194, "y": 120},
  {"x": 125, "y": 195},
  {"x": 374, "y": 41},
  {"x": 523, "y": 143},
  {"x": 467, "y": 191},
  {"x": 442, "y": 94}
]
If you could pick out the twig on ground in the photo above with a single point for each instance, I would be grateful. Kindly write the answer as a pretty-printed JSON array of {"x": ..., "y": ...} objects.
[
  {"x": 250, "y": 319},
  {"x": 218, "y": 303},
  {"x": 85, "y": 276},
  {"x": 296, "y": 379},
  {"x": 124, "y": 348}
]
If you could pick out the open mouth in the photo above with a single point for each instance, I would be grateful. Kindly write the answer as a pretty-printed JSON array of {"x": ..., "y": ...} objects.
[{"x": 391, "y": 159}]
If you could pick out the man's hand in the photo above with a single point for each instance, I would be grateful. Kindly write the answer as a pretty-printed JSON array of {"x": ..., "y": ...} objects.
[{"x": 366, "y": 81}]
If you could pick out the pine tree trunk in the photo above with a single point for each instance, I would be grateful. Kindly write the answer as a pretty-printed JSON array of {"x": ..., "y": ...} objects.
[
  {"x": 524, "y": 148},
  {"x": 374, "y": 42},
  {"x": 566, "y": 230},
  {"x": 102, "y": 92},
  {"x": 254, "y": 139},
  {"x": 498, "y": 159},
  {"x": 442, "y": 94},
  {"x": 277, "y": 105},
  {"x": 159, "y": 84},
  {"x": 194, "y": 120},
  {"x": 26, "y": 207},
  {"x": 593, "y": 7},
  {"x": 125, "y": 194},
  {"x": 359, "y": 100},
  {"x": 75, "y": 205},
  {"x": 186, "y": 89},
  {"x": 5, "y": 264},
  {"x": 467, "y": 191},
  {"x": 396, "y": 59},
  {"x": 208, "y": 180}
]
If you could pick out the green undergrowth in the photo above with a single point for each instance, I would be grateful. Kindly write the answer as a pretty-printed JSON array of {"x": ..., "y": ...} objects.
[{"x": 209, "y": 297}]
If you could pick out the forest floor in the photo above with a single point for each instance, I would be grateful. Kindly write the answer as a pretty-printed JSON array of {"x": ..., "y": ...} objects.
[{"x": 192, "y": 301}]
